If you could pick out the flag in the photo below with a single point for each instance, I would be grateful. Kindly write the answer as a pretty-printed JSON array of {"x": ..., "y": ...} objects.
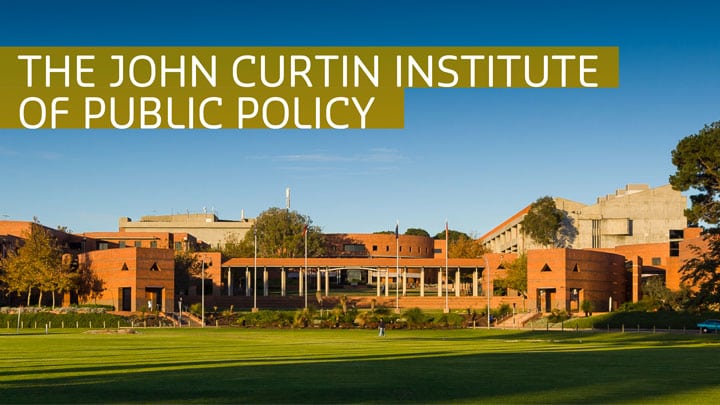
[
  {"x": 446, "y": 231},
  {"x": 305, "y": 230},
  {"x": 396, "y": 230}
]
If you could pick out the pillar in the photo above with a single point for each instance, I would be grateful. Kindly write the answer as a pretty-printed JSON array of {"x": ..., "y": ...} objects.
[
  {"x": 440, "y": 282},
  {"x": 404, "y": 281},
  {"x": 387, "y": 281},
  {"x": 422, "y": 281},
  {"x": 378, "y": 280},
  {"x": 266, "y": 285},
  {"x": 317, "y": 276},
  {"x": 283, "y": 282},
  {"x": 229, "y": 282},
  {"x": 475, "y": 283},
  {"x": 457, "y": 282},
  {"x": 248, "y": 282},
  {"x": 301, "y": 280},
  {"x": 327, "y": 282}
]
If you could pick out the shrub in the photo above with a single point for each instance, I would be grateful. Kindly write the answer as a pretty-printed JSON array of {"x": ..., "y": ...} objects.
[
  {"x": 557, "y": 316},
  {"x": 415, "y": 318}
]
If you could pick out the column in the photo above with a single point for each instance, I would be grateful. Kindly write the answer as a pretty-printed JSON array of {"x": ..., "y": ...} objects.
[
  {"x": 457, "y": 282},
  {"x": 404, "y": 281},
  {"x": 229, "y": 282},
  {"x": 283, "y": 282},
  {"x": 387, "y": 281},
  {"x": 266, "y": 286},
  {"x": 301, "y": 277},
  {"x": 440, "y": 282},
  {"x": 475, "y": 282},
  {"x": 317, "y": 276},
  {"x": 422, "y": 281},
  {"x": 327, "y": 282},
  {"x": 378, "y": 280},
  {"x": 248, "y": 282}
]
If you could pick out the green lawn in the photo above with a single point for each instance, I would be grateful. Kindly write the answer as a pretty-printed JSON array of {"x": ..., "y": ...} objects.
[{"x": 331, "y": 366}]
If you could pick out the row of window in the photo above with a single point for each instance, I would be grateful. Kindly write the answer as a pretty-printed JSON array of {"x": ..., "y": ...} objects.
[{"x": 122, "y": 244}]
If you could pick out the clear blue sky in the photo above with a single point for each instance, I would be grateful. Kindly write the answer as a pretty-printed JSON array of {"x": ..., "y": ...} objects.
[{"x": 473, "y": 156}]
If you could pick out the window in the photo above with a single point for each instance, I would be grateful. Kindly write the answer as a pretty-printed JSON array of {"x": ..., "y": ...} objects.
[
  {"x": 656, "y": 261},
  {"x": 374, "y": 248},
  {"x": 102, "y": 246},
  {"x": 154, "y": 267},
  {"x": 676, "y": 234},
  {"x": 353, "y": 248},
  {"x": 575, "y": 269},
  {"x": 138, "y": 243},
  {"x": 124, "y": 267},
  {"x": 153, "y": 244},
  {"x": 437, "y": 251},
  {"x": 178, "y": 245},
  {"x": 674, "y": 249},
  {"x": 387, "y": 248},
  {"x": 121, "y": 244},
  {"x": 546, "y": 268}
]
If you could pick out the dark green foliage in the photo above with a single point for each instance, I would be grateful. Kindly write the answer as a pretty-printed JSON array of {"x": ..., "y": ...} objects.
[
  {"x": 415, "y": 318},
  {"x": 279, "y": 234},
  {"x": 548, "y": 225},
  {"x": 697, "y": 159},
  {"x": 417, "y": 232},
  {"x": 70, "y": 320},
  {"x": 453, "y": 236},
  {"x": 703, "y": 272}
]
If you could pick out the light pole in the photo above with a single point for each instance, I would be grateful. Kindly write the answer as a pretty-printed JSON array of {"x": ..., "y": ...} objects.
[
  {"x": 487, "y": 269},
  {"x": 180, "y": 316},
  {"x": 202, "y": 291},
  {"x": 397, "y": 267},
  {"x": 447, "y": 278},
  {"x": 255, "y": 308}
]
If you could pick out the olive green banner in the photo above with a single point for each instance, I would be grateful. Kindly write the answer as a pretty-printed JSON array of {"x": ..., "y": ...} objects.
[{"x": 267, "y": 87}]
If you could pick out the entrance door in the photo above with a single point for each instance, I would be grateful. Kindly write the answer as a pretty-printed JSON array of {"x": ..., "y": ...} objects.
[
  {"x": 154, "y": 298},
  {"x": 125, "y": 299}
]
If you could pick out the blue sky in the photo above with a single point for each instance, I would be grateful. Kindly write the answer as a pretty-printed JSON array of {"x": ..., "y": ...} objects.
[{"x": 473, "y": 156}]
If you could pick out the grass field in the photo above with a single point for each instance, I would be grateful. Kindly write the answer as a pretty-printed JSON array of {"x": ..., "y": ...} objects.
[{"x": 341, "y": 366}]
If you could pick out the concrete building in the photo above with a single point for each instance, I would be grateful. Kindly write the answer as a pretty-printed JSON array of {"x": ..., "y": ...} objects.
[
  {"x": 206, "y": 227},
  {"x": 636, "y": 214}
]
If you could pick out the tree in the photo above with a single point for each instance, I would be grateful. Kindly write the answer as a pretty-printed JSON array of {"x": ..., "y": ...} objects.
[
  {"x": 466, "y": 248},
  {"x": 37, "y": 264},
  {"x": 544, "y": 223},
  {"x": 516, "y": 274},
  {"x": 452, "y": 235},
  {"x": 280, "y": 234},
  {"x": 417, "y": 232},
  {"x": 697, "y": 159},
  {"x": 461, "y": 244},
  {"x": 187, "y": 267}
]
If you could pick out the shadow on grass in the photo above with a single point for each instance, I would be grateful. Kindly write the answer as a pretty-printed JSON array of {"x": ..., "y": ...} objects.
[{"x": 603, "y": 376}]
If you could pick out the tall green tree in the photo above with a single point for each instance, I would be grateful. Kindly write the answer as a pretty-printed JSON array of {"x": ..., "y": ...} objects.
[
  {"x": 543, "y": 221},
  {"x": 697, "y": 159},
  {"x": 280, "y": 234}
]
